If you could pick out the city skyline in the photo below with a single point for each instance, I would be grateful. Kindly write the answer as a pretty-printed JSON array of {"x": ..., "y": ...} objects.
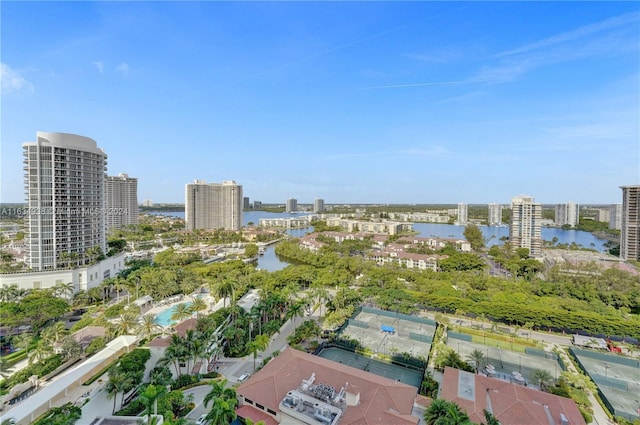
[{"x": 347, "y": 102}]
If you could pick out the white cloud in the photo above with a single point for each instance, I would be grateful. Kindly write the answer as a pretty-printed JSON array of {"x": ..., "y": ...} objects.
[
  {"x": 99, "y": 65},
  {"x": 123, "y": 68},
  {"x": 629, "y": 18},
  {"x": 12, "y": 81}
]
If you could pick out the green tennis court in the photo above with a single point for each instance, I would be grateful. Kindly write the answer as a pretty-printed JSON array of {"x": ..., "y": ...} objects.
[{"x": 387, "y": 370}]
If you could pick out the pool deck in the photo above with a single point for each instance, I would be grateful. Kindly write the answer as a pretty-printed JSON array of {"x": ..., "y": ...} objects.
[{"x": 160, "y": 306}]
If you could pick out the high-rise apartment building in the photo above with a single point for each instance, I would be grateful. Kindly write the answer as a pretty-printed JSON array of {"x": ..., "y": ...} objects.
[
  {"x": 246, "y": 205},
  {"x": 121, "y": 198},
  {"x": 525, "y": 228},
  {"x": 463, "y": 214},
  {"x": 257, "y": 205},
  {"x": 292, "y": 205},
  {"x": 147, "y": 203},
  {"x": 603, "y": 214},
  {"x": 318, "y": 205},
  {"x": 615, "y": 216},
  {"x": 213, "y": 205},
  {"x": 64, "y": 180},
  {"x": 630, "y": 230},
  {"x": 567, "y": 214},
  {"x": 494, "y": 217}
]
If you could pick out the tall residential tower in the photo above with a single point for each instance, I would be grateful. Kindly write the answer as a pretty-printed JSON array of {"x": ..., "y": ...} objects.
[
  {"x": 292, "y": 205},
  {"x": 494, "y": 217},
  {"x": 463, "y": 214},
  {"x": 318, "y": 205},
  {"x": 630, "y": 231},
  {"x": 64, "y": 180},
  {"x": 213, "y": 205},
  {"x": 567, "y": 214},
  {"x": 615, "y": 216},
  {"x": 525, "y": 228},
  {"x": 121, "y": 201}
]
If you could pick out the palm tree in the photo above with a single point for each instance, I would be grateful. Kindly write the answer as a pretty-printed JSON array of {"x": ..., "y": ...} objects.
[
  {"x": 542, "y": 378},
  {"x": 175, "y": 354},
  {"x": 198, "y": 305},
  {"x": 219, "y": 390},
  {"x": 9, "y": 292},
  {"x": 491, "y": 420},
  {"x": 295, "y": 310},
  {"x": 148, "y": 326},
  {"x": 128, "y": 324},
  {"x": 54, "y": 334},
  {"x": 189, "y": 343},
  {"x": 476, "y": 357},
  {"x": 117, "y": 383},
  {"x": 65, "y": 290},
  {"x": 222, "y": 412},
  {"x": 150, "y": 399},
  {"x": 41, "y": 352},
  {"x": 260, "y": 343},
  {"x": 224, "y": 289},
  {"x": 5, "y": 369},
  {"x": 442, "y": 412},
  {"x": 181, "y": 312}
]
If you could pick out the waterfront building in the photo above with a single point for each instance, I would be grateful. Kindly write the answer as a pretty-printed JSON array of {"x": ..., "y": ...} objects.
[
  {"x": 603, "y": 215},
  {"x": 213, "y": 205},
  {"x": 257, "y": 205},
  {"x": 64, "y": 181},
  {"x": 292, "y": 205},
  {"x": 615, "y": 216},
  {"x": 630, "y": 229},
  {"x": 463, "y": 214},
  {"x": 494, "y": 218},
  {"x": 121, "y": 197},
  {"x": 147, "y": 203},
  {"x": 318, "y": 205},
  {"x": 567, "y": 214},
  {"x": 525, "y": 227}
]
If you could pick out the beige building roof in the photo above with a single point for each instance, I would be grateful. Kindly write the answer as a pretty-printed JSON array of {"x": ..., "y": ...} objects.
[{"x": 382, "y": 401}]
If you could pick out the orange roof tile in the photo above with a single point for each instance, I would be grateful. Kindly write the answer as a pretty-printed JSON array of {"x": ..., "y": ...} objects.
[
  {"x": 511, "y": 404},
  {"x": 379, "y": 397}
]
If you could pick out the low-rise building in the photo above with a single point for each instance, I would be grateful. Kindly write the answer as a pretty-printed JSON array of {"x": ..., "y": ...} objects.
[
  {"x": 299, "y": 388},
  {"x": 511, "y": 404}
]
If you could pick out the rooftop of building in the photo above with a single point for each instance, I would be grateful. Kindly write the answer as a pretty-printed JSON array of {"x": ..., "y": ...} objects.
[
  {"x": 511, "y": 404},
  {"x": 375, "y": 399}
]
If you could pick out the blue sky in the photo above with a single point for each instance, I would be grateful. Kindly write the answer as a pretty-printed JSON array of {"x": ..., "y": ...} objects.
[{"x": 368, "y": 102}]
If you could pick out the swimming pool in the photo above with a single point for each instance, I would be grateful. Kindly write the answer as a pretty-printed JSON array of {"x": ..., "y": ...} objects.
[{"x": 164, "y": 317}]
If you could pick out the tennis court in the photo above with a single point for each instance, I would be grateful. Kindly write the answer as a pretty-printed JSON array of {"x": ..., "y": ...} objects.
[
  {"x": 388, "y": 333},
  {"x": 387, "y": 370}
]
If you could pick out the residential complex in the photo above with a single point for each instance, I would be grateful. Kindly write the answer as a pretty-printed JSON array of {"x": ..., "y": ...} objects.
[
  {"x": 567, "y": 214},
  {"x": 292, "y": 205},
  {"x": 615, "y": 216},
  {"x": 318, "y": 205},
  {"x": 213, "y": 205},
  {"x": 494, "y": 217},
  {"x": 630, "y": 229},
  {"x": 65, "y": 217},
  {"x": 65, "y": 189},
  {"x": 246, "y": 205},
  {"x": 525, "y": 228},
  {"x": 121, "y": 197},
  {"x": 463, "y": 214}
]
